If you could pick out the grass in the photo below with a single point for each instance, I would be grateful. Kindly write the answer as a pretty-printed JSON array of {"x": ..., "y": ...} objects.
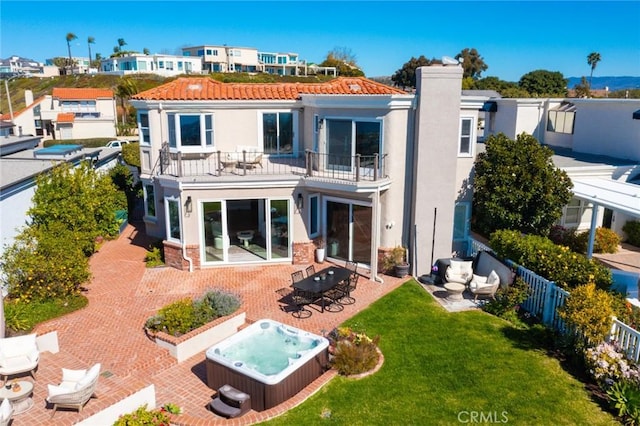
[
  {"x": 439, "y": 366},
  {"x": 24, "y": 316}
]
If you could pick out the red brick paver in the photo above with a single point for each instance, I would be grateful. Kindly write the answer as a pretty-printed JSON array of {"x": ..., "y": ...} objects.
[{"x": 123, "y": 294}]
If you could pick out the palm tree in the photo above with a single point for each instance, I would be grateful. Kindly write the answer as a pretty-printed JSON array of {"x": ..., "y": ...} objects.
[
  {"x": 592, "y": 60},
  {"x": 70, "y": 38},
  {"x": 90, "y": 41},
  {"x": 121, "y": 43},
  {"x": 124, "y": 90}
]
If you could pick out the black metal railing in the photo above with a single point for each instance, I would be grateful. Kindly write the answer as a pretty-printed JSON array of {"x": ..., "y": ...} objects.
[{"x": 249, "y": 163}]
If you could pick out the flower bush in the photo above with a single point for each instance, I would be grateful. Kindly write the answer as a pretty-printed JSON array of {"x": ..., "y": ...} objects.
[
  {"x": 352, "y": 353},
  {"x": 143, "y": 416},
  {"x": 607, "y": 365},
  {"x": 606, "y": 240},
  {"x": 184, "y": 315},
  {"x": 632, "y": 229}
]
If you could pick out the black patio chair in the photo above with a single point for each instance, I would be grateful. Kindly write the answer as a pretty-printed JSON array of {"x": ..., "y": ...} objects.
[
  {"x": 295, "y": 301},
  {"x": 297, "y": 276},
  {"x": 310, "y": 270},
  {"x": 350, "y": 284}
]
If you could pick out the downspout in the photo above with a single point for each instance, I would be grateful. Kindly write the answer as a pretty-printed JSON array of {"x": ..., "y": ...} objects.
[
  {"x": 183, "y": 243},
  {"x": 374, "y": 262}
]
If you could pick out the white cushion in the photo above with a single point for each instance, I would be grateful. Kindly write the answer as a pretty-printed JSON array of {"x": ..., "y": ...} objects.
[
  {"x": 16, "y": 362},
  {"x": 455, "y": 266},
  {"x": 58, "y": 390},
  {"x": 17, "y": 346},
  {"x": 91, "y": 375},
  {"x": 493, "y": 278},
  {"x": 5, "y": 410},
  {"x": 72, "y": 375},
  {"x": 479, "y": 279}
]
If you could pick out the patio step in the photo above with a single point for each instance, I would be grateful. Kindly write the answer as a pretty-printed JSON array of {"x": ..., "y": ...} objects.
[{"x": 230, "y": 402}]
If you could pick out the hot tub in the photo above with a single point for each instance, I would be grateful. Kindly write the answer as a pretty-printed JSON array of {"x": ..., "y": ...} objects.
[{"x": 268, "y": 360}]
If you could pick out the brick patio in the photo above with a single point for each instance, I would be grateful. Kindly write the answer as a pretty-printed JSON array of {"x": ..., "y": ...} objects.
[{"x": 123, "y": 294}]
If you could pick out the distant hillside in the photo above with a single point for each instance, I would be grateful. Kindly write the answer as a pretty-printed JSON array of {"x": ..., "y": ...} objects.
[{"x": 613, "y": 83}]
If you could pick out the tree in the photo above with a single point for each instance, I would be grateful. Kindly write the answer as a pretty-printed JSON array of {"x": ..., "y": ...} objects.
[
  {"x": 592, "y": 59},
  {"x": 542, "y": 83},
  {"x": 345, "y": 62},
  {"x": 582, "y": 89},
  {"x": 124, "y": 90},
  {"x": 406, "y": 76},
  {"x": 90, "y": 41},
  {"x": 70, "y": 37},
  {"x": 517, "y": 187},
  {"x": 146, "y": 51},
  {"x": 121, "y": 43},
  {"x": 472, "y": 63},
  {"x": 81, "y": 199}
]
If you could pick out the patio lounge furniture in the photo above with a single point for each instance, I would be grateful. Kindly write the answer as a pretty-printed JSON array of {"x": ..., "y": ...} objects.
[
  {"x": 76, "y": 388},
  {"x": 484, "y": 286},
  {"x": 250, "y": 164},
  {"x": 459, "y": 271},
  {"x": 296, "y": 301},
  {"x": 297, "y": 276},
  {"x": 18, "y": 355},
  {"x": 6, "y": 412}
]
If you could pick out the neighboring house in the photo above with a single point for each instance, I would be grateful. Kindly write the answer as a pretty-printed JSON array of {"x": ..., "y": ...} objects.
[
  {"x": 68, "y": 113},
  {"x": 246, "y": 59},
  {"x": 596, "y": 141},
  {"x": 81, "y": 65},
  {"x": 16, "y": 65},
  {"x": 262, "y": 173},
  {"x": 20, "y": 164},
  {"x": 138, "y": 63}
]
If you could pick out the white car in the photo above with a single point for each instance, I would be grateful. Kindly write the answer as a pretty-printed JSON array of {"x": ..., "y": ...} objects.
[{"x": 116, "y": 144}]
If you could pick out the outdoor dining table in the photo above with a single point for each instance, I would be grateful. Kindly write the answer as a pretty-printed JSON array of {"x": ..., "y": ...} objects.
[{"x": 323, "y": 281}]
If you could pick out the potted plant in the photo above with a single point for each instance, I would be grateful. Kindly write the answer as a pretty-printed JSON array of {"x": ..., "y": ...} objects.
[
  {"x": 396, "y": 260},
  {"x": 320, "y": 251}
]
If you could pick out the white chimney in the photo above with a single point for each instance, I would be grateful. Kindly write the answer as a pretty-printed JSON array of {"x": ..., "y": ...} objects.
[{"x": 28, "y": 97}]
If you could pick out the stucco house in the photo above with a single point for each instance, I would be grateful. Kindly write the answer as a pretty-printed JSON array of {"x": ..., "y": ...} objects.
[
  {"x": 262, "y": 173},
  {"x": 160, "y": 64},
  {"x": 596, "y": 141},
  {"x": 68, "y": 113}
]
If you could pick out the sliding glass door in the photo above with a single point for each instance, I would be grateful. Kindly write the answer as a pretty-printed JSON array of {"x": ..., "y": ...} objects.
[
  {"x": 347, "y": 138},
  {"x": 349, "y": 230}
]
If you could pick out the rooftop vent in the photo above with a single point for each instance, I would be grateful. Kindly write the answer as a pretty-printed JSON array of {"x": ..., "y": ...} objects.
[{"x": 194, "y": 87}]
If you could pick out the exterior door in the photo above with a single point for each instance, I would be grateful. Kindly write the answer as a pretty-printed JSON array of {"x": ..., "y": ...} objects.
[{"x": 349, "y": 230}]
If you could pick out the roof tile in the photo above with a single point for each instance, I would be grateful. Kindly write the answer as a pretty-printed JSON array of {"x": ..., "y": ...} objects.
[
  {"x": 66, "y": 117},
  {"x": 205, "y": 89},
  {"x": 81, "y": 93}
]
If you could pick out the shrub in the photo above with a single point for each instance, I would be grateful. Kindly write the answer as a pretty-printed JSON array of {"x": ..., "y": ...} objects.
[
  {"x": 588, "y": 310},
  {"x": 184, "y": 315},
  {"x": 154, "y": 257},
  {"x": 625, "y": 311},
  {"x": 632, "y": 229},
  {"x": 143, "y": 416},
  {"x": 607, "y": 365},
  {"x": 131, "y": 154},
  {"x": 624, "y": 396},
  {"x": 353, "y": 353},
  {"x": 554, "y": 262},
  {"x": 507, "y": 300}
]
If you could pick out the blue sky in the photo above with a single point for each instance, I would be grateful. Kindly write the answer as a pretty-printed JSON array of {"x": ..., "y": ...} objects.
[{"x": 513, "y": 37}]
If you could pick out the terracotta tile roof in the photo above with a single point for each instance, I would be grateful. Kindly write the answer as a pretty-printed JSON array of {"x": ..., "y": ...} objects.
[
  {"x": 66, "y": 117},
  {"x": 82, "y": 93},
  {"x": 205, "y": 89},
  {"x": 28, "y": 107}
]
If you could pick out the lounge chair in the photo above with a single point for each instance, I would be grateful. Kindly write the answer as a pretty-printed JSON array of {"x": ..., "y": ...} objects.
[
  {"x": 76, "y": 388},
  {"x": 484, "y": 286},
  {"x": 18, "y": 355},
  {"x": 250, "y": 164},
  {"x": 6, "y": 412}
]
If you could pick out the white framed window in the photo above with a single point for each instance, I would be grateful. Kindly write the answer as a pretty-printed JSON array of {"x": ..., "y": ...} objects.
[
  {"x": 574, "y": 212},
  {"x": 149, "y": 200},
  {"x": 465, "y": 144},
  {"x": 561, "y": 119},
  {"x": 191, "y": 132},
  {"x": 143, "y": 128},
  {"x": 316, "y": 123},
  {"x": 278, "y": 132},
  {"x": 174, "y": 221},
  {"x": 314, "y": 215},
  {"x": 347, "y": 137}
]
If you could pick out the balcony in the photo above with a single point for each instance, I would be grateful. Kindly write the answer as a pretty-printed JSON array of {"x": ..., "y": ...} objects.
[{"x": 245, "y": 165}]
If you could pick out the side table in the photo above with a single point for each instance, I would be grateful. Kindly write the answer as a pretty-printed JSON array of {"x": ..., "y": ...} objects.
[
  {"x": 21, "y": 400},
  {"x": 454, "y": 291}
]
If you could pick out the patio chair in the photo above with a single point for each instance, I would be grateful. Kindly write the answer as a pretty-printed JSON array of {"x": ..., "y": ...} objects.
[
  {"x": 18, "y": 355},
  {"x": 297, "y": 276},
  {"x": 296, "y": 301},
  {"x": 485, "y": 286},
  {"x": 6, "y": 412},
  {"x": 310, "y": 270},
  {"x": 250, "y": 164},
  {"x": 75, "y": 390}
]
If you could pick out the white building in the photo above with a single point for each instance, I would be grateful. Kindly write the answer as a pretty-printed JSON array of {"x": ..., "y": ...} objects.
[{"x": 164, "y": 65}]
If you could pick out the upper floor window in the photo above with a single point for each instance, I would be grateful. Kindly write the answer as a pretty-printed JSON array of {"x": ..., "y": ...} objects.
[
  {"x": 277, "y": 132},
  {"x": 200, "y": 52},
  {"x": 561, "y": 119},
  {"x": 143, "y": 128},
  {"x": 465, "y": 146},
  {"x": 78, "y": 106},
  {"x": 161, "y": 64},
  {"x": 190, "y": 131}
]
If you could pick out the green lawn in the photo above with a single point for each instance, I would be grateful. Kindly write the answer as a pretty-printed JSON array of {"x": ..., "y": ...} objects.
[{"x": 440, "y": 367}]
